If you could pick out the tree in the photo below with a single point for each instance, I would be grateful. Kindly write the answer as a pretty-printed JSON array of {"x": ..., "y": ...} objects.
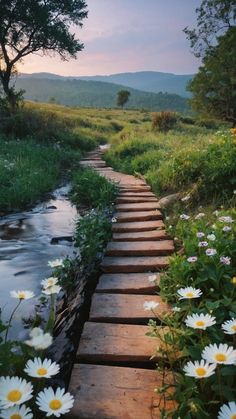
[
  {"x": 214, "y": 40},
  {"x": 36, "y": 26},
  {"x": 122, "y": 97}
]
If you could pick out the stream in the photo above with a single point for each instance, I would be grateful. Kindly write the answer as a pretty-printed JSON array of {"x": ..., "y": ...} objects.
[{"x": 28, "y": 240}]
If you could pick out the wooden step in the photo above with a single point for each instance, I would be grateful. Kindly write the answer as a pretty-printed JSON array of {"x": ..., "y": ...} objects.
[
  {"x": 144, "y": 206},
  {"x": 137, "y": 226},
  {"x": 136, "y": 194},
  {"x": 130, "y": 200},
  {"x": 103, "y": 392},
  {"x": 138, "y": 216},
  {"x": 122, "y": 343},
  {"x": 137, "y": 283},
  {"x": 145, "y": 188},
  {"x": 134, "y": 264},
  {"x": 146, "y": 248},
  {"x": 125, "y": 308},
  {"x": 141, "y": 236}
]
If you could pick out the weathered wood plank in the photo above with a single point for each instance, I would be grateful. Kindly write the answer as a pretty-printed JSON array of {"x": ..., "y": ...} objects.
[
  {"x": 137, "y": 283},
  {"x": 137, "y": 226},
  {"x": 123, "y": 217},
  {"x": 141, "y": 236},
  {"x": 134, "y": 264},
  {"x": 145, "y": 206},
  {"x": 146, "y": 248}
]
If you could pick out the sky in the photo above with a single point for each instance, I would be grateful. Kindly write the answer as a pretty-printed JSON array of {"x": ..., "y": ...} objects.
[{"x": 127, "y": 36}]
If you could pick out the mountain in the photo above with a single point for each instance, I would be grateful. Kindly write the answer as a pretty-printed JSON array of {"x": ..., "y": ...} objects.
[
  {"x": 74, "y": 92},
  {"x": 148, "y": 81}
]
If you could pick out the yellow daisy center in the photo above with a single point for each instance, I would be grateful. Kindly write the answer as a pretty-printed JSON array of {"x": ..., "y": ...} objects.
[
  {"x": 220, "y": 358},
  {"x": 234, "y": 327},
  {"x": 200, "y": 371},
  {"x": 14, "y": 396},
  {"x": 234, "y": 280},
  {"x": 233, "y": 416},
  {"x": 42, "y": 371},
  {"x": 189, "y": 294},
  {"x": 21, "y": 295},
  {"x": 15, "y": 416},
  {"x": 200, "y": 323},
  {"x": 55, "y": 404}
]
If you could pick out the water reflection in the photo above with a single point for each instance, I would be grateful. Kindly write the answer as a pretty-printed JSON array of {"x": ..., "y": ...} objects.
[{"x": 25, "y": 249}]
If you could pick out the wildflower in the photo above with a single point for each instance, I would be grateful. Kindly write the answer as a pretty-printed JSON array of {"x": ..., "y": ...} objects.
[
  {"x": 202, "y": 244},
  {"x": 216, "y": 213},
  {"x": 229, "y": 327},
  {"x": 226, "y": 229},
  {"x": 184, "y": 217},
  {"x": 152, "y": 278},
  {"x": 200, "y": 321},
  {"x": 227, "y": 411},
  {"x": 233, "y": 280},
  {"x": 199, "y": 369},
  {"x": 199, "y": 216},
  {"x": 176, "y": 309},
  {"x": 55, "y": 289},
  {"x": 226, "y": 219},
  {"x": 22, "y": 295},
  {"x": 211, "y": 237},
  {"x": 39, "y": 339},
  {"x": 211, "y": 252},
  {"x": 213, "y": 226},
  {"x": 114, "y": 220},
  {"x": 41, "y": 369},
  {"x": 192, "y": 259},
  {"x": 200, "y": 234},
  {"x": 17, "y": 412},
  {"x": 222, "y": 354},
  {"x": 189, "y": 292},
  {"x": 14, "y": 391},
  {"x": 186, "y": 198},
  {"x": 150, "y": 305},
  {"x": 55, "y": 263},
  {"x": 226, "y": 260},
  {"x": 49, "y": 282},
  {"x": 54, "y": 403}
]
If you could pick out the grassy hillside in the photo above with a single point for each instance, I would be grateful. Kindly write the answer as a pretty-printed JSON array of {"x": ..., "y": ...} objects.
[{"x": 71, "y": 92}]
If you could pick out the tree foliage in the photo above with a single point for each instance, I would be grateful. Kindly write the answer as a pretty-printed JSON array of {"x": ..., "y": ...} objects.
[
  {"x": 214, "y": 40},
  {"x": 122, "y": 97},
  {"x": 36, "y": 26}
]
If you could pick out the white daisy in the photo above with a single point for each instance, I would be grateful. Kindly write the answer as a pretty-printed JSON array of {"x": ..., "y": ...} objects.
[
  {"x": 200, "y": 215},
  {"x": 226, "y": 219},
  {"x": 17, "y": 412},
  {"x": 14, "y": 391},
  {"x": 41, "y": 369},
  {"x": 114, "y": 220},
  {"x": 176, "y": 309},
  {"x": 227, "y": 411},
  {"x": 55, "y": 263},
  {"x": 226, "y": 229},
  {"x": 211, "y": 252},
  {"x": 152, "y": 278},
  {"x": 184, "y": 217},
  {"x": 22, "y": 295},
  {"x": 200, "y": 234},
  {"x": 226, "y": 260},
  {"x": 49, "y": 282},
  {"x": 55, "y": 289},
  {"x": 216, "y": 213},
  {"x": 200, "y": 321},
  {"x": 211, "y": 237},
  {"x": 192, "y": 259},
  {"x": 221, "y": 354},
  {"x": 189, "y": 292},
  {"x": 229, "y": 327},
  {"x": 202, "y": 244},
  {"x": 199, "y": 369},
  {"x": 186, "y": 198},
  {"x": 54, "y": 403},
  {"x": 150, "y": 305},
  {"x": 39, "y": 339}
]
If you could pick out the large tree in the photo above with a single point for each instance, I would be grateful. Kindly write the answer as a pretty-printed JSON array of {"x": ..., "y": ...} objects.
[
  {"x": 214, "y": 40},
  {"x": 36, "y": 26},
  {"x": 122, "y": 97}
]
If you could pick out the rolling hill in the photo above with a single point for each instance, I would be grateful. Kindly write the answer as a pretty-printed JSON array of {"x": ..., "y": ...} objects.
[{"x": 87, "y": 93}]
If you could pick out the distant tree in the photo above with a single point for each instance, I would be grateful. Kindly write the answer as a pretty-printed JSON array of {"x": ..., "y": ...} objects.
[
  {"x": 36, "y": 26},
  {"x": 214, "y": 40},
  {"x": 122, "y": 97}
]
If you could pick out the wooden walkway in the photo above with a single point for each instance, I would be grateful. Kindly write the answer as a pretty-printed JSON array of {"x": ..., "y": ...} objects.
[{"x": 114, "y": 375}]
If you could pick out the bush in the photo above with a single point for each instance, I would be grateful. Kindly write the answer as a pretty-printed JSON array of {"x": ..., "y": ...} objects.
[{"x": 164, "y": 121}]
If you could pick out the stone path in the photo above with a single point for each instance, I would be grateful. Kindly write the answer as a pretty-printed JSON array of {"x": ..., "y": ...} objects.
[{"x": 114, "y": 376}]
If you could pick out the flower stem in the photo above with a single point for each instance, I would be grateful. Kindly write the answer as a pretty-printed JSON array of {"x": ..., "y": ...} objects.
[{"x": 10, "y": 320}]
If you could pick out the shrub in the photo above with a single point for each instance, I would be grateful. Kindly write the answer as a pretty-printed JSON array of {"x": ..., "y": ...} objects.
[{"x": 164, "y": 121}]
